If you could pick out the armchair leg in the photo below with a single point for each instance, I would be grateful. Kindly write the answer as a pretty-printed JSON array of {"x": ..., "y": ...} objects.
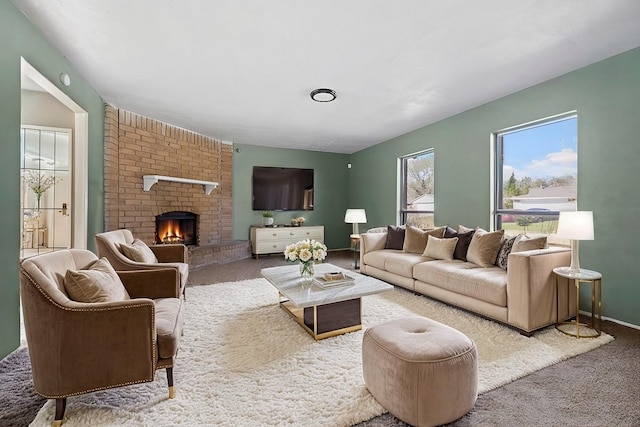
[
  {"x": 172, "y": 392},
  {"x": 61, "y": 405}
]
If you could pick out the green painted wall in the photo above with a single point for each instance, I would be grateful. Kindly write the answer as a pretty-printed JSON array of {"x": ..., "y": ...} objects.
[
  {"x": 606, "y": 96},
  {"x": 21, "y": 39},
  {"x": 331, "y": 190}
]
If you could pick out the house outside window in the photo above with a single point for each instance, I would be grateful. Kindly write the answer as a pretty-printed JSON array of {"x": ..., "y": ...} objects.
[
  {"x": 417, "y": 189},
  {"x": 536, "y": 175}
]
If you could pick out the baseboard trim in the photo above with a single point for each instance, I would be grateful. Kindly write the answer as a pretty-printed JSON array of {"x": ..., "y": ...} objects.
[{"x": 611, "y": 319}]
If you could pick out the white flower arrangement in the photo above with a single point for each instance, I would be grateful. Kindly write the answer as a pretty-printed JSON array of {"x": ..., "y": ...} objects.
[
  {"x": 39, "y": 182},
  {"x": 305, "y": 251},
  {"x": 297, "y": 221}
]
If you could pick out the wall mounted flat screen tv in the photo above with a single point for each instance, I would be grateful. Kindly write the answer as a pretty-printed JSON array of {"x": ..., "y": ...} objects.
[{"x": 282, "y": 189}]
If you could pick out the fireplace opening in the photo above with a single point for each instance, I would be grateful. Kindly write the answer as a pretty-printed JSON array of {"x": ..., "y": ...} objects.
[{"x": 177, "y": 227}]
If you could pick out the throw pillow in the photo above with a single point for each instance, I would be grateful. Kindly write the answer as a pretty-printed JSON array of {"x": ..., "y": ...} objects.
[
  {"x": 526, "y": 243},
  {"x": 462, "y": 248},
  {"x": 395, "y": 237},
  {"x": 505, "y": 250},
  {"x": 139, "y": 251},
  {"x": 450, "y": 232},
  {"x": 484, "y": 247},
  {"x": 464, "y": 239},
  {"x": 100, "y": 283},
  {"x": 463, "y": 229},
  {"x": 440, "y": 248},
  {"x": 415, "y": 239}
]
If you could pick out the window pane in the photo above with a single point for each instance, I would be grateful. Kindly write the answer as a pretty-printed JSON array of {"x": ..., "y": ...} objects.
[
  {"x": 417, "y": 183},
  {"x": 420, "y": 220},
  {"x": 537, "y": 172},
  {"x": 535, "y": 224}
]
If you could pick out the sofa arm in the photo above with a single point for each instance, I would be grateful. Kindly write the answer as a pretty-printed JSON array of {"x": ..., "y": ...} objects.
[
  {"x": 372, "y": 242},
  {"x": 531, "y": 293},
  {"x": 170, "y": 253},
  {"x": 158, "y": 283}
]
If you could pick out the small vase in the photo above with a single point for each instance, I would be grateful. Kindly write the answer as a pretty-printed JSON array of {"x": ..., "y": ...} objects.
[{"x": 306, "y": 270}]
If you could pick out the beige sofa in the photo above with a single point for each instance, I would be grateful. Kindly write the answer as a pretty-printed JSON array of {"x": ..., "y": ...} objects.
[{"x": 522, "y": 296}]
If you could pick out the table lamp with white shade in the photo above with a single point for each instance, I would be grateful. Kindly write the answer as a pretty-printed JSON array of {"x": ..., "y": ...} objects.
[
  {"x": 575, "y": 226},
  {"x": 355, "y": 217}
]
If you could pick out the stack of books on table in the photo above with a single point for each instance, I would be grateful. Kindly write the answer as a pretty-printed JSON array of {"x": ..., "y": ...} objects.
[{"x": 329, "y": 280}]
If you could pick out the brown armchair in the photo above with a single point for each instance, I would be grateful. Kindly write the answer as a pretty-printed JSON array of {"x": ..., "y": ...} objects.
[
  {"x": 173, "y": 256},
  {"x": 78, "y": 347}
]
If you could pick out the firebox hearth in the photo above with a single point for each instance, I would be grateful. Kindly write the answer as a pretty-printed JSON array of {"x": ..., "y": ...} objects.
[{"x": 177, "y": 227}]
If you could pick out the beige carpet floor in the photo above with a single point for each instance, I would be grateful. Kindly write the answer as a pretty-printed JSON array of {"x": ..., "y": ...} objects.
[{"x": 598, "y": 388}]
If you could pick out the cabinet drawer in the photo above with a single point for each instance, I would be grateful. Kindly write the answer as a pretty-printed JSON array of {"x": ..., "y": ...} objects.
[
  {"x": 307, "y": 233},
  {"x": 273, "y": 234},
  {"x": 271, "y": 246}
]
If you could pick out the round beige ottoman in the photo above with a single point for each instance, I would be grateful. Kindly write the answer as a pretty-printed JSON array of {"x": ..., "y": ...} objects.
[{"x": 423, "y": 372}]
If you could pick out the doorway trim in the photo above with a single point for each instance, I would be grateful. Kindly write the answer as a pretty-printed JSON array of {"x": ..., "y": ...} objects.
[{"x": 80, "y": 155}]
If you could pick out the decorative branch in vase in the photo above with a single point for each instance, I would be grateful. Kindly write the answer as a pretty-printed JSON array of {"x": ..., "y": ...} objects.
[{"x": 39, "y": 183}]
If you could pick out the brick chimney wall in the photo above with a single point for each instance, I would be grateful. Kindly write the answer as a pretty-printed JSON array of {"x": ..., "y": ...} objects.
[{"x": 137, "y": 146}]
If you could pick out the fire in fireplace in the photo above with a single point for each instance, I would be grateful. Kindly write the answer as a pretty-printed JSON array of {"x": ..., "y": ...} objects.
[{"x": 177, "y": 227}]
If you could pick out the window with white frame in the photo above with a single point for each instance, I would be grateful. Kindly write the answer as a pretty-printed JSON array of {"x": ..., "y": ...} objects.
[
  {"x": 536, "y": 175},
  {"x": 417, "y": 189}
]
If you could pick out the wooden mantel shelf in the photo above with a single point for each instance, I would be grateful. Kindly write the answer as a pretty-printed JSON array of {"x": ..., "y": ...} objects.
[{"x": 150, "y": 180}]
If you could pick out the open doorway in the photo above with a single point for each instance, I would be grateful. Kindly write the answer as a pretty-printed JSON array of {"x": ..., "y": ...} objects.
[
  {"x": 76, "y": 176},
  {"x": 77, "y": 203}
]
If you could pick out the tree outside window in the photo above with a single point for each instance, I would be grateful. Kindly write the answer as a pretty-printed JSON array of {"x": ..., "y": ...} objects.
[{"x": 536, "y": 175}]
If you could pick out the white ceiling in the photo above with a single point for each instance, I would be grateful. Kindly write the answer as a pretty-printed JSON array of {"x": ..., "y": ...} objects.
[{"x": 241, "y": 71}]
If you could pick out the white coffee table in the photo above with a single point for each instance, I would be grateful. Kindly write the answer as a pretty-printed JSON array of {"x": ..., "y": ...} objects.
[{"x": 323, "y": 313}]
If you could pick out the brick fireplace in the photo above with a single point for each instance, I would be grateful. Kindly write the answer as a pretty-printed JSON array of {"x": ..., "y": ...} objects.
[{"x": 136, "y": 146}]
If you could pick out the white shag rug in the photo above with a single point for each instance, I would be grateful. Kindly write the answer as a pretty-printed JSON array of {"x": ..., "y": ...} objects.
[{"x": 243, "y": 361}]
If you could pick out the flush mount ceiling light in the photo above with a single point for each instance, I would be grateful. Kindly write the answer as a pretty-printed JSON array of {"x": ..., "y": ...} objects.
[{"x": 323, "y": 95}]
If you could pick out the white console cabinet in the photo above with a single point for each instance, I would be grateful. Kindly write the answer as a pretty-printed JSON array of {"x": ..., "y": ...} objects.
[{"x": 270, "y": 240}]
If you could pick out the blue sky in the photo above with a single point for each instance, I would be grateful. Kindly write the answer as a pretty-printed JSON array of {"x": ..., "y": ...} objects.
[{"x": 543, "y": 151}]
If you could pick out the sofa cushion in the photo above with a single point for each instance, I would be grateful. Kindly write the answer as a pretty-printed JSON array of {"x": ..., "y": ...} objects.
[
  {"x": 395, "y": 237},
  {"x": 440, "y": 248},
  {"x": 505, "y": 250},
  {"x": 169, "y": 324},
  {"x": 484, "y": 247},
  {"x": 526, "y": 243},
  {"x": 394, "y": 261},
  {"x": 99, "y": 283},
  {"x": 465, "y": 278},
  {"x": 139, "y": 251},
  {"x": 415, "y": 239}
]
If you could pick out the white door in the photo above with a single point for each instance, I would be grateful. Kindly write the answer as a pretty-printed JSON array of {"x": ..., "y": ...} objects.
[{"x": 46, "y": 190}]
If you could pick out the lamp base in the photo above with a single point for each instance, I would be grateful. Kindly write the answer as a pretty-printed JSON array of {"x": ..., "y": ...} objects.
[{"x": 575, "y": 257}]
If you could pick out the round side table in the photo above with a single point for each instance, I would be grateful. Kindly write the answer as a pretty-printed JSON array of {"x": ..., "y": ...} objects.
[{"x": 583, "y": 276}]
